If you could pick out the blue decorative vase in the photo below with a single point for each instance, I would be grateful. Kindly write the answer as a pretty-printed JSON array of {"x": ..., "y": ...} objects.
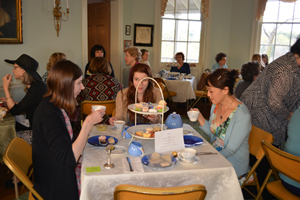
[{"x": 174, "y": 121}]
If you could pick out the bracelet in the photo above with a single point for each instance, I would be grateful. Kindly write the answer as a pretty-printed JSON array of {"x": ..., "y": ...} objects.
[{"x": 8, "y": 97}]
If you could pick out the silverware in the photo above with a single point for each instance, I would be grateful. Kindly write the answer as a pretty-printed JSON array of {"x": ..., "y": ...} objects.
[
  {"x": 205, "y": 153},
  {"x": 129, "y": 162}
]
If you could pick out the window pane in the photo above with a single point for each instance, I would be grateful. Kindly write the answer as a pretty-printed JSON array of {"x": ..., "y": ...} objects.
[
  {"x": 194, "y": 31},
  {"x": 283, "y": 34},
  {"x": 181, "y": 30},
  {"x": 271, "y": 11},
  {"x": 167, "y": 53},
  {"x": 297, "y": 12},
  {"x": 268, "y": 33},
  {"x": 295, "y": 33},
  {"x": 169, "y": 11},
  {"x": 267, "y": 49},
  {"x": 181, "y": 47},
  {"x": 181, "y": 9},
  {"x": 194, "y": 9},
  {"x": 286, "y": 11},
  {"x": 168, "y": 28},
  {"x": 193, "y": 52},
  {"x": 281, "y": 50}
]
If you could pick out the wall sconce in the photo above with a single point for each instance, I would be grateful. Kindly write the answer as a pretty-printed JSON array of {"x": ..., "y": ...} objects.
[{"x": 58, "y": 15}]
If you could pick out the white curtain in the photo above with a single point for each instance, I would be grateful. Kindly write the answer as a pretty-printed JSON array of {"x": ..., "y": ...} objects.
[{"x": 262, "y": 6}]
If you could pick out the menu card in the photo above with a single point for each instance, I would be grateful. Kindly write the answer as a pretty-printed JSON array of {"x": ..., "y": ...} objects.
[{"x": 169, "y": 140}]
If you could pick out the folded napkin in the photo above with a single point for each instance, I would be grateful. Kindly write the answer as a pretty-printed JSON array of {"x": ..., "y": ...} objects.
[{"x": 135, "y": 163}]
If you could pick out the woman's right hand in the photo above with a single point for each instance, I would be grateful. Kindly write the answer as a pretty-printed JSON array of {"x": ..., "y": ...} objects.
[
  {"x": 6, "y": 80},
  {"x": 95, "y": 117},
  {"x": 112, "y": 120}
]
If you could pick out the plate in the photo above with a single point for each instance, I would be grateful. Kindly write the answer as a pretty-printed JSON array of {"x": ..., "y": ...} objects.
[
  {"x": 131, "y": 130},
  {"x": 132, "y": 108},
  {"x": 171, "y": 78},
  {"x": 95, "y": 141},
  {"x": 190, "y": 140},
  {"x": 118, "y": 150},
  {"x": 196, "y": 161},
  {"x": 145, "y": 161}
]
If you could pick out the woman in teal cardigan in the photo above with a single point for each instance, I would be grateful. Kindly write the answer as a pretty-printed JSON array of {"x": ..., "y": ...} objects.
[{"x": 230, "y": 121}]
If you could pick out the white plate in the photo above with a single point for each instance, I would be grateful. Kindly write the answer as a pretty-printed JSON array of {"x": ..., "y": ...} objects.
[
  {"x": 132, "y": 108},
  {"x": 196, "y": 161},
  {"x": 118, "y": 150},
  {"x": 131, "y": 130}
]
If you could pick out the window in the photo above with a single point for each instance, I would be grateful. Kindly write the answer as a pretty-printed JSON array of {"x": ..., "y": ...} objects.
[
  {"x": 280, "y": 28},
  {"x": 181, "y": 30}
]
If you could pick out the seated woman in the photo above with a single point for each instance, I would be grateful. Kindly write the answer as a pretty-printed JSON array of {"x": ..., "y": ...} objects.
[
  {"x": 257, "y": 57},
  {"x": 55, "y": 152},
  {"x": 97, "y": 51},
  {"x": 265, "y": 59},
  {"x": 249, "y": 72},
  {"x": 183, "y": 67},
  {"x": 52, "y": 60},
  {"x": 145, "y": 56},
  {"x": 292, "y": 147},
  {"x": 221, "y": 59},
  {"x": 132, "y": 57},
  {"x": 230, "y": 121},
  {"x": 146, "y": 93}
]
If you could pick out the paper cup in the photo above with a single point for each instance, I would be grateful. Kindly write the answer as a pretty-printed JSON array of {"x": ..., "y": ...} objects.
[{"x": 98, "y": 107}]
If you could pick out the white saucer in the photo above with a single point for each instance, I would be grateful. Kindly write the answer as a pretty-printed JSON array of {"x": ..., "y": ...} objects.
[
  {"x": 119, "y": 150},
  {"x": 196, "y": 161}
]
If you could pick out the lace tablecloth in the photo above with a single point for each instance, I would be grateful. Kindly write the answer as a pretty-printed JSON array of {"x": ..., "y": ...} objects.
[
  {"x": 214, "y": 171},
  {"x": 7, "y": 133},
  {"x": 183, "y": 88}
]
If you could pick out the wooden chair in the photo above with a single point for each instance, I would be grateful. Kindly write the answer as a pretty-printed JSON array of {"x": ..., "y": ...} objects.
[
  {"x": 256, "y": 136},
  {"x": 133, "y": 192},
  {"x": 86, "y": 107},
  {"x": 166, "y": 92},
  {"x": 286, "y": 164},
  {"x": 18, "y": 158},
  {"x": 201, "y": 91}
]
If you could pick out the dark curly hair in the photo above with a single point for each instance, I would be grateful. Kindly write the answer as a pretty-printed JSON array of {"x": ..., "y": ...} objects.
[
  {"x": 219, "y": 56},
  {"x": 222, "y": 78},
  {"x": 96, "y": 48},
  {"x": 180, "y": 53},
  {"x": 249, "y": 70},
  {"x": 295, "y": 49}
]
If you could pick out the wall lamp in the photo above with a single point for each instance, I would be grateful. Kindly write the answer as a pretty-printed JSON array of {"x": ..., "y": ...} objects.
[{"x": 58, "y": 15}]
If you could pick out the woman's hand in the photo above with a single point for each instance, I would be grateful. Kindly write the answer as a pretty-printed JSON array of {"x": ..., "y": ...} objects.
[
  {"x": 112, "y": 120},
  {"x": 95, "y": 117},
  {"x": 6, "y": 80},
  {"x": 152, "y": 118},
  {"x": 201, "y": 119}
]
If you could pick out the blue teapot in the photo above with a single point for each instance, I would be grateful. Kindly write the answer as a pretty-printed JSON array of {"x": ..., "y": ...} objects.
[{"x": 174, "y": 121}]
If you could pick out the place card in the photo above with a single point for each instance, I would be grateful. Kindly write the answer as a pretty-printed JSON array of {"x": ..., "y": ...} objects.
[
  {"x": 169, "y": 140},
  {"x": 93, "y": 169}
]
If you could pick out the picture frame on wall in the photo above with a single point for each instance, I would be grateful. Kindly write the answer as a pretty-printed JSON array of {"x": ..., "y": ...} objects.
[
  {"x": 127, "y": 43},
  {"x": 11, "y": 30},
  {"x": 127, "y": 30},
  {"x": 143, "y": 35}
]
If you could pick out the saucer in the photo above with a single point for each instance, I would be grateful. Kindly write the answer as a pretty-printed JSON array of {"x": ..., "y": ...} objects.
[{"x": 196, "y": 161}]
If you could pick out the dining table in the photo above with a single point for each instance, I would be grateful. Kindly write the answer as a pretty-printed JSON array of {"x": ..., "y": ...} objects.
[
  {"x": 183, "y": 88},
  {"x": 213, "y": 171}
]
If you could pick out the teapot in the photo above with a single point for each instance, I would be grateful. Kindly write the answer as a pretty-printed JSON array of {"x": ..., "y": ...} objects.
[
  {"x": 174, "y": 121},
  {"x": 162, "y": 73}
]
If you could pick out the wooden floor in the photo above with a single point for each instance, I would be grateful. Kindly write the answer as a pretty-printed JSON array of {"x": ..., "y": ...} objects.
[{"x": 9, "y": 194}]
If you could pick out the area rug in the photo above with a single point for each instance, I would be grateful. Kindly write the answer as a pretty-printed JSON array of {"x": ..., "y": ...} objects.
[{"x": 23, "y": 196}]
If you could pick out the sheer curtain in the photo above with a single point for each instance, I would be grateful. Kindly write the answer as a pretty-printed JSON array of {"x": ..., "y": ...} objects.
[{"x": 262, "y": 6}]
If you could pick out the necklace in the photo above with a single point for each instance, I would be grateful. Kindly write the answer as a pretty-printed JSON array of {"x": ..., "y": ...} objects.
[{"x": 226, "y": 109}]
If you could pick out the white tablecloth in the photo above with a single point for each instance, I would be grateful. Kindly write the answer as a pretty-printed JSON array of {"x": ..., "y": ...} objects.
[
  {"x": 183, "y": 88},
  {"x": 214, "y": 171}
]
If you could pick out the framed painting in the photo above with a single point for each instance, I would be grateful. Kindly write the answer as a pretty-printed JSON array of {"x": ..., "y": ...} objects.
[
  {"x": 127, "y": 43},
  {"x": 11, "y": 22},
  {"x": 143, "y": 35}
]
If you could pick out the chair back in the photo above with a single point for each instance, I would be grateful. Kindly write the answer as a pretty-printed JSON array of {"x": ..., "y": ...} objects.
[
  {"x": 201, "y": 84},
  {"x": 18, "y": 158},
  {"x": 86, "y": 107},
  {"x": 133, "y": 192},
  {"x": 282, "y": 162}
]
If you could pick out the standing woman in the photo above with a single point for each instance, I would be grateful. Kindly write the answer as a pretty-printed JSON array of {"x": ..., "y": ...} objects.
[
  {"x": 132, "y": 57},
  {"x": 229, "y": 124},
  {"x": 25, "y": 70},
  {"x": 54, "y": 150},
  {"x": 52, "y": 60},
  {"x": 221, "y": 59},
  {"x": 183, "y": 67}
]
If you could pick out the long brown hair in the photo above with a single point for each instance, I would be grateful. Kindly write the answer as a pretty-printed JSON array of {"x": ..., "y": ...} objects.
[
  {"x": 60, "y": 84},
  {"x": 54, "y": 58},
  {"x": 148, "y": 94},
  {"x": 99, "y": 65}
]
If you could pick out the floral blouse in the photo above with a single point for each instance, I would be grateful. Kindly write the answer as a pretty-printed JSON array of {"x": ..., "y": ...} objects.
[{"x": 220, "y": 131}]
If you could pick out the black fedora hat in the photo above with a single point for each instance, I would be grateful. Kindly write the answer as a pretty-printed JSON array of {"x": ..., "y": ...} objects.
[{"x": 29, "y": 64}]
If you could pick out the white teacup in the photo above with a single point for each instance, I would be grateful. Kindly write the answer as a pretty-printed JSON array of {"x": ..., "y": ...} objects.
[
  {"x": 187, "y": 155},
  {"x": 98, "y": 107},
  {"x": 180, "y": 77},
  {"x": 193, "y": 115},
  {"x": 119, "y": 124}
]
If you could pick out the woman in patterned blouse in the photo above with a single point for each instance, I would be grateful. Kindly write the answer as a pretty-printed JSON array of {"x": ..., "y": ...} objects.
[{"x": 230, "y": 122}]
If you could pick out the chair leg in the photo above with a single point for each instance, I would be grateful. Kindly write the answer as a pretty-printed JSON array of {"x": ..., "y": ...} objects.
[
  {"x": 195, "y": 102},
  {"x": 263, "y": 185},
  {"x": 174, "y": 104},
  {"x": 16, "y": 187}
]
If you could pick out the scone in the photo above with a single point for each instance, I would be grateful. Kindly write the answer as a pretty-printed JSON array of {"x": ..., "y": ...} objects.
[{"x": 139, "y": 133}]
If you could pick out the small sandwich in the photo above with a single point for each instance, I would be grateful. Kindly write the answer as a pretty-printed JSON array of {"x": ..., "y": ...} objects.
[
  {"x": 147, "y": 135},
  {"x": 152, "y": 110}
]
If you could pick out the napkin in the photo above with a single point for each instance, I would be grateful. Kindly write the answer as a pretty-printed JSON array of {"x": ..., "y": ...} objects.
[{"x": 135, "y": 163}]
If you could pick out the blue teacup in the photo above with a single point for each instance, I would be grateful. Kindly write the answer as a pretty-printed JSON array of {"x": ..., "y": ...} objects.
[
  {"x": 125, "y": 134},
  {"x": 136, "y": 149}
]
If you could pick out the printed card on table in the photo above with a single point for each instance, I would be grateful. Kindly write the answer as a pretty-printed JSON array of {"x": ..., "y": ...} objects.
[{"x": 169, "y": 140}]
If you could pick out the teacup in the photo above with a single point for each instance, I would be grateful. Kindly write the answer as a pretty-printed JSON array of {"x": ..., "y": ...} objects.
[
  {"x": 119, "y": 124},
  {"x": 193, "y": 115},
  {"x": 136, "y": 149},
  {"x": 180, "y": 77},
  {"x": 98, "y": 107},
  {"x": 187, "y": 155},
  {"x": 125, "y": 134}
]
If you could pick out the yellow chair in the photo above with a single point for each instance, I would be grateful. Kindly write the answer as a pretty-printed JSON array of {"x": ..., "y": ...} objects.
[
  {"x": 133, "y": 192},
  {"x": 284, "y": 163},
  {"x": 18, "y": 158},
  {"x": 255, "y": 137},
  {"x": 166, "y": 92},
  {"x": 86, "y": 107},
  {"x": 201, "y": 91}
]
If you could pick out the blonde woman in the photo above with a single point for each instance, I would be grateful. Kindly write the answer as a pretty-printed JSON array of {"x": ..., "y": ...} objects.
[
  {"x": 132, "y": 57},
  {"x": 52, "y": 60}
]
